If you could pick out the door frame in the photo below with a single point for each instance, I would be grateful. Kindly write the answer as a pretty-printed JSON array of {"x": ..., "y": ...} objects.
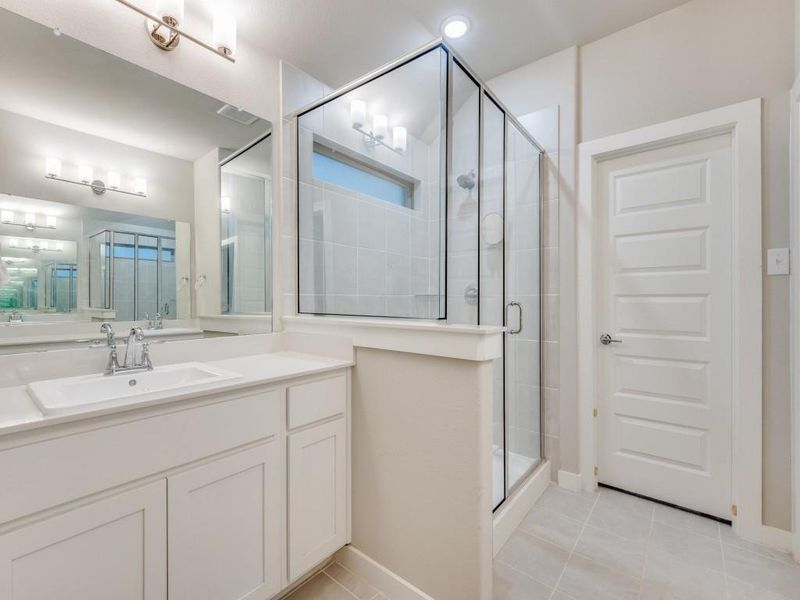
[
  {"x": 794, "y": 304},
  {"x": 743, "y": 122}
]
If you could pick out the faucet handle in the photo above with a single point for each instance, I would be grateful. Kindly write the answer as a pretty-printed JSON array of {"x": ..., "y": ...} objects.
[
  {"x": 137, "y": 333},
  {"x": 109, "y": 331}
]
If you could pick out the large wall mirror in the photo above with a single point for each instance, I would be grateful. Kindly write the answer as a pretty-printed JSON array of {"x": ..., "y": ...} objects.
[{"x": 106, "y": 170}]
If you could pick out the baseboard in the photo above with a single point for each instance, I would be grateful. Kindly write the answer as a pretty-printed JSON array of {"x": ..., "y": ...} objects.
[
  {"x": 514, "y": 509},
  {"x": 391, "y": 584},
  {"x": 780, "y": 539},
  {"x": 570, "y": 481}
]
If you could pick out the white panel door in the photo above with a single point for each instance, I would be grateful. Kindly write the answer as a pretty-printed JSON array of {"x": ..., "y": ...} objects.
[
  {"x": 317, "y": 494},
  {"x": 115, "y": 548},
  {"x": 666, "y": 293},
  {"x": 225, "y": 528}
]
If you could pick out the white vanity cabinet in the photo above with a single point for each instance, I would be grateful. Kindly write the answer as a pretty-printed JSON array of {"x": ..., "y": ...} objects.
[
  {"x": 317, "y": 472},
  {"x": 112, "y": 548},
  {"x": 225, "y": 527},
  {"x": 225, "y": 497}
]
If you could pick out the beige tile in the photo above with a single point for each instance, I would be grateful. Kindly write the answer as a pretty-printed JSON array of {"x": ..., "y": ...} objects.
[
  {"x": 320, "y": 587},
  {"x": 615, "y": 552},
  {"x": 552, "y": 452},
  {"x": 652, "y": 591},
  {"x": 622, "y": 514},
  {"x": 576, "y": 505},
  {"x": 761, "y": 571},
  {"x": 552, "y": 411},
  {"x": 533, "y": 556},
  {"x": 665, "y": 572},
  {"x": 680, "y": 519},
  {"x": 552, "y": 526},
  {"x": 511, "y": 584},
  {"x": 551, "y": 359},
  {"x": 741, "y": 590},
  {"x": 358, "y": 586},
  {"x": 729, "y": 538},
  {"x": 584, "y": 578},
  {"x": 550, "y": 318},
  {"x": 699, "y": 550}
]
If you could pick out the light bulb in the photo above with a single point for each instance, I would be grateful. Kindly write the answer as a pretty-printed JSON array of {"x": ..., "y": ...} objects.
[
  {"x": 85, "y": 174},
  {"x": 225, "y": 204},
  {"x": 52, "y": 167},
  {"x": 13, "y": 243},
  {"x": 224, "y": 32},
  {"x": 30, "y": 219},
  {"x": 6, "y": 216},
  {"x": 400, "y": 139},
  {"x": 358, "y": 113},
  {"x": 455, "y": 27},
  {"x": 114, "y": 180},
  {"x": 140, "y": 186},
  {"x": 51, "y": 221},
  {"x": 380, "y": 126}
]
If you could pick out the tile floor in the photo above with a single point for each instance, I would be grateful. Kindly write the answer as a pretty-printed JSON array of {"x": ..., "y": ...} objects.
[
  {"x": 336, "y": 583},
  {"x": 609, "y": 545}
]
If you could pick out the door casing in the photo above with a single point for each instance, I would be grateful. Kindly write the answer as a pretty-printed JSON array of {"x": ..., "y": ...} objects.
[{"x": 743, "y": 122}]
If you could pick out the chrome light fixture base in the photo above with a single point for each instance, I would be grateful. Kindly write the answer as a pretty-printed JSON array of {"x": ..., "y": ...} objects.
[{"x": 163, "y": 37}]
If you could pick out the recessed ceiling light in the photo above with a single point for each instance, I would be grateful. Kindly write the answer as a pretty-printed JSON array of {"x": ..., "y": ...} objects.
[{"x": 455, "y": 27}]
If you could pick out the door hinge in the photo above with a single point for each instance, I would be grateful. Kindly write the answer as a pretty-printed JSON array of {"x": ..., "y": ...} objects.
[
  {"x": 596, "y": 471},
  {"x": 734, "y": 510},
  {"x": 594, "y": 412}
]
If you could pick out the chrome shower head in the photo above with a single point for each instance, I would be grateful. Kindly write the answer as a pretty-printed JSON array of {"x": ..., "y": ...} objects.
[{"x": 466, "y": 181}]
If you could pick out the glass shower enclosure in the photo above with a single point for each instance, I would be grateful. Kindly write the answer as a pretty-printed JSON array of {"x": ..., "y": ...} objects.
[
  {"x": 419, "y": 196},
  {"x": 132, "y": 274}
]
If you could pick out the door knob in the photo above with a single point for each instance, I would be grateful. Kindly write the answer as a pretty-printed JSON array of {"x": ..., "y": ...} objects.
[{"x": 606, "y": 339}]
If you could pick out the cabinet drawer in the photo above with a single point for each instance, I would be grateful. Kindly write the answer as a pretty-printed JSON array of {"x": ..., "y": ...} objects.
[
  {"x": 44, "y": 474},
  {"x": 316, "y": 400}
]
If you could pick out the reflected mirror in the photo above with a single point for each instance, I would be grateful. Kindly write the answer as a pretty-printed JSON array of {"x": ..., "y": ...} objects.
[{"x": 109, "y": 176}]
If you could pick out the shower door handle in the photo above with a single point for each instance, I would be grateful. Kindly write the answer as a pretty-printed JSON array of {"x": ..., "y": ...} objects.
[{"x": 519, "y": 306}]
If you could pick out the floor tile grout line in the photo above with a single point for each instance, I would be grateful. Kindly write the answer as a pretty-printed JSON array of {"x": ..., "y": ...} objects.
[
  {"x": 647, "y": 552},
  {"x": 574, "y": 546},
  {"x": 349, "y": 593},
  {"x": 724, "y": 566},
  {"x": 521, "y": 572},
  {"x": 357, "y": 576}
]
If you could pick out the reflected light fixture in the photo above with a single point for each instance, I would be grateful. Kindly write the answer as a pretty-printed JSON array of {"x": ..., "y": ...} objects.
[
  {"x": 380, "y": 129},
  {"x": 164, "y": 27},
  {"x": 225, "y": 204},
  {"x": 455, "y": 27},
  {"x": 30, "y": 220},
  {"x": 51, "y": 221},
  {"x": 86, "y": 177},
  {"x": 6, "y": 216}
]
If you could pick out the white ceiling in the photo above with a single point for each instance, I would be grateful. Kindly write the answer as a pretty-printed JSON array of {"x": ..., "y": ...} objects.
[{"x": 337, "y": 41}]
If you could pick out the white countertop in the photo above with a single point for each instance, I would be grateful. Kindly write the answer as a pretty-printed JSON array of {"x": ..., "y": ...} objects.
[
  {"x": 18, "y": 412},
  {"x": 23, "y": 340}
]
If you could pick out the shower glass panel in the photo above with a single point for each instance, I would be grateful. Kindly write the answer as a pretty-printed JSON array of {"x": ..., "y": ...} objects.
[
  {"x": 371, "y": 195},
  {"x": 523, "y": 364},
  {"x": 462, "y": 210},
  {"x": 147, "y": 276},
  {"x": 491, "y": 272},
  {"x": 123, "y": 251},
  {"x": 61, "y": 287}
]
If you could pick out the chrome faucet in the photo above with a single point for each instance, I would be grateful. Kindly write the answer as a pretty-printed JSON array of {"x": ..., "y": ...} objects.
[
  {"x": 157, "y": 323},
  {"x": 15, "y": 317},
  {"x": 130, "y": 362}
]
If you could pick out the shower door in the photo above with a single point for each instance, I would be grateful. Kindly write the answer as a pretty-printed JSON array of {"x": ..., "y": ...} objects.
[{"x": 523, "y": 417}]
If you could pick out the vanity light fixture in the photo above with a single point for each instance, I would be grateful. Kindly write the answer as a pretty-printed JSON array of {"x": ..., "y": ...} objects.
[
  {"x": 380, "y": 129},
  {"x": 163, "y": 28},
  {"x": 35, "y": 246},
  {"x": 86, "y": 177}
]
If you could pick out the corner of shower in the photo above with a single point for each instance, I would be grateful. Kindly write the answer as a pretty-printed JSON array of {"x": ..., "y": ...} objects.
[{"x": 419, "y": 197}]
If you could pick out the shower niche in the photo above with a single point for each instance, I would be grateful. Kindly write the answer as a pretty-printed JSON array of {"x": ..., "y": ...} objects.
[{"x": 419, "y": 197}]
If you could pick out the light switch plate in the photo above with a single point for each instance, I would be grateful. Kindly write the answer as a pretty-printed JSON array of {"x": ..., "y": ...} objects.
[{"x": 778, "y": 261}]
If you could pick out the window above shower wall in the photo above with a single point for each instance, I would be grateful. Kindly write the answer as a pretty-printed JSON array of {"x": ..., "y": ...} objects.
[{"x": 371, "y": 168}]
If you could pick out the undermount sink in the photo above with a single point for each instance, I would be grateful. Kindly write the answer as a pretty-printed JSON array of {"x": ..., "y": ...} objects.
[{"x": 74, "y": 394}]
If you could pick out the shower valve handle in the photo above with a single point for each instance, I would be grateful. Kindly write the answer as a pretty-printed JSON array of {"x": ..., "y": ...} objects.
[{"x": 606, "y": 340}]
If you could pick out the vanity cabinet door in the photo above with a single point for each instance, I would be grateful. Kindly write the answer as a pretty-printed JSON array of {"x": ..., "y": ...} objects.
[
  {"x": 114, "y": 548},
  {"x": 225, "y": 533},
  {"x": 317, "y": 494}
]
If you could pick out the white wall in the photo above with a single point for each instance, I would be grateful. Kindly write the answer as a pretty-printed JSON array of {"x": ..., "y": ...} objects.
[
  {"x": 207, "y": 255},
  {"x": 701, "y": 55}
]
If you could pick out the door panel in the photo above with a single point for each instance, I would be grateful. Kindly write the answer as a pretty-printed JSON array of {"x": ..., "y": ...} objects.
[
  {"x": 666, "y": 287},
  {"x": 113, "y": 548},
  {"x": 224, "y": 528}
]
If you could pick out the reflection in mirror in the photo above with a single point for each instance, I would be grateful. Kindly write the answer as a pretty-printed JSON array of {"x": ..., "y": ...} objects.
[
  {"x": 246, "y": 223},
  {"x": 110, "y": 181}
]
